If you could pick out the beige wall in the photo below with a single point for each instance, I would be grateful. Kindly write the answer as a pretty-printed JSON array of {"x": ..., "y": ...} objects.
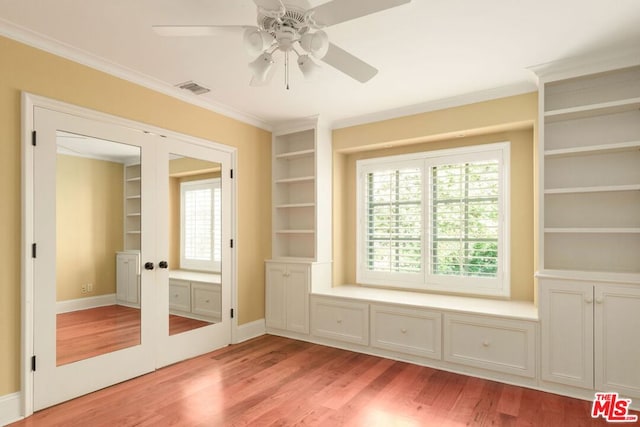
[
  {"x": 508, "y": 119},
  {"x": 28, "y": 69},
  {"x": 89, "y": 219}
]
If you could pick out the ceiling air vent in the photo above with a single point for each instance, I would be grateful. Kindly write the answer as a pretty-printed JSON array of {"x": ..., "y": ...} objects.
[{"x": 193, "y": 87}]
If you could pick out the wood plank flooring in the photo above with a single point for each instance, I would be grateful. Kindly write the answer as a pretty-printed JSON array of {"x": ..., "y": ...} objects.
[
  {"x": 274, "y": 381},
  {"x": 87, "y": 333}
]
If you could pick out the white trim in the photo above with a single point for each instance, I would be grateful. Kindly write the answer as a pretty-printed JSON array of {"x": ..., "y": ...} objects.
[
  {"x": 583, "y": 65},
  {"x": 250, "y": 330},
  {"x": 48, "y": 44},
  {"x": 85, "y": 303},
  {"x": 10, "y": 406},
  {"x": 29, "y": 103}
]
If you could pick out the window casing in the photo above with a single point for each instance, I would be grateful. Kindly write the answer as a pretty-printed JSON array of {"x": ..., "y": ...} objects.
[
  {"x": 200, "y": 225},
  {"x": 436, "y": 220}
]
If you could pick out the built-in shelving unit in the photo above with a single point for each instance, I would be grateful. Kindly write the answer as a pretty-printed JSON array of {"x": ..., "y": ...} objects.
[
  {"x": 301, "y": 196},
  {"x": 590, "y": 166},
  {"x": 132, "y": 207}
]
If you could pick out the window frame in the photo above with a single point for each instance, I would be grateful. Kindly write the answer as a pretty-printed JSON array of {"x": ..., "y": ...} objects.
[
  {"x": 213, "y": 265},
  {"x": 498, "y": 286}
]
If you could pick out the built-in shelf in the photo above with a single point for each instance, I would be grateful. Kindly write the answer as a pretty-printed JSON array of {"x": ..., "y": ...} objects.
[
  {"x": 296, "y": 154},
  {"x": 295, "y": 180},
  {"x": 295, "y": 231},
  {"x": 592, "y": 110},
  {"x": 301, "y": 191},
  {"x": 295, "y": 205},
  {"x": 595, "y": 149},
  {"x": 590, "y": 173},
  {"x": 595, "y": 189},
  {"x": 132, "y": 207},
  {"x": 586, "y": 230}
]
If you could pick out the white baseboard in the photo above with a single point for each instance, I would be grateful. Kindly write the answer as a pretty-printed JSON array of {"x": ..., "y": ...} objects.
[
  {"x": 85, "y": 303},
  {"x": 10, "y": 411},
  {"x": 249, "y": 330}
]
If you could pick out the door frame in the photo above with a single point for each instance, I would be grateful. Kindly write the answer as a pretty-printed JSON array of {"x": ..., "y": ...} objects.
[{"x": 29, "y": 102}]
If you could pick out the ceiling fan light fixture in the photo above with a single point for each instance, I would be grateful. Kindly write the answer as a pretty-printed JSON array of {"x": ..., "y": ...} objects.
[
  {"x": 317, "y": 44},
  {"x": 260, "y": 67},
  {"x": 255, "y": 41},
  {"x": 308, "y": 67}
]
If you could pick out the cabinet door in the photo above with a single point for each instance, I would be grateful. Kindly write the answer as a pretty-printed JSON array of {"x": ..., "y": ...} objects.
[
  {"x": 275, "y": 315},
  {"x": 617, "y": 349},
  {"x": 127, "y": 287},
  {"x": 566, "y": 318},
  {"x": 297, "y": 298}
]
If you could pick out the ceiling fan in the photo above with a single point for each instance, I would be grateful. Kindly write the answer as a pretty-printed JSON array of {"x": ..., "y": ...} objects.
[{"x": 292, "y": 29}]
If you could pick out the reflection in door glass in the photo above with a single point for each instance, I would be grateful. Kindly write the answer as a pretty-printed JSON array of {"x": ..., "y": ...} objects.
[
  {"x": 98, "y": 230},
  {"x": 195, "y": 204}
]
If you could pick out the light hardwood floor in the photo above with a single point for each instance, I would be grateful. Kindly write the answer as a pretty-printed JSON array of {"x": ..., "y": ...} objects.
[
  {"x": 274, "y": 381},
  {"x": 87, "y": 333}
]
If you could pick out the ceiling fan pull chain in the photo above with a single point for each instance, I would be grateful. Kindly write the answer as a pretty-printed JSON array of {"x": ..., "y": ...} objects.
[{"x": 286, "y": 69}]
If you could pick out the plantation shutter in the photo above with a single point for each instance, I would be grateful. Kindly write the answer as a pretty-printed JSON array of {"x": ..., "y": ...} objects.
[
  {"x": 464, "y": 209},
  {"x": 394, "y": 220},
  {"x": 198, "y": 224}
]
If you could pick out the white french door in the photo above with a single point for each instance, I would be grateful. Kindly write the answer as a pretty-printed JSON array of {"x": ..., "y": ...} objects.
[
  {"x": 195, "y": 161},
  {"x": 64, "y": 234}
]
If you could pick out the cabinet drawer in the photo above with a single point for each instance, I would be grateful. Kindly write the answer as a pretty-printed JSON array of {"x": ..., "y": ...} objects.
[
  {"x": 502, "y": 345},
  {"x": 411, "y": 331},
  {"x": 206, "y": 300},
  {"x": 179, "y": 295},
  {"x": 340, "y": 320}
]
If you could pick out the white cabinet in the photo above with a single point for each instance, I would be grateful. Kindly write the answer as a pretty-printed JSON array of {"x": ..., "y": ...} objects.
[
  {"x": 406, "y": 330},
  {"x": 502, "y": 345},
  {"x": 287, "y": 296},
  {"x": 587, "y": 335},
  {"x": 340, "y": 320},
  {"x": 194, "y": 299},
  {"x": 590, "y": 172},
  {"x": 301, "y": 171},
  {"x": 128, "y": 279}
]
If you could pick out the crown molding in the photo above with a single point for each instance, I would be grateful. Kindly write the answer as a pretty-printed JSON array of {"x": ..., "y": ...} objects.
[
  {"x": 440, "y": 104},
  {"x": 48, "y": 44},
  {"x": 587, "y": 64}
]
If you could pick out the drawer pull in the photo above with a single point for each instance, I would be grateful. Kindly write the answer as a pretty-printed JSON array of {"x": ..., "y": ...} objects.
[
  {"x": 403, "y": 330},
  {"x": 176, "y": 296},
  {"x": 599, "y": 300},
  {"x": 207, "y": 301},
  {"x": 588, "y": 300},
  {"x": 486, "y": 343},
  {"x": 339, "y": 321}
]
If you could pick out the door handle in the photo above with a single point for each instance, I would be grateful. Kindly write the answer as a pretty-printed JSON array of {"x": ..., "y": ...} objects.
[
  {"x": 163, "y": 264},
  {"x": 148, "y": 266}
]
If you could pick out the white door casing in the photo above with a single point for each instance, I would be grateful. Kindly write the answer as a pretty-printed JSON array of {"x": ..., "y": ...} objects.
[{"x": 36, "y": 112}]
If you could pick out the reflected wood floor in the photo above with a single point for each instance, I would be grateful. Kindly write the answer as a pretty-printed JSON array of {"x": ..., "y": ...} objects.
[
  {"x": 274, "y": 381},
  {"x": 87, "y": 333}
]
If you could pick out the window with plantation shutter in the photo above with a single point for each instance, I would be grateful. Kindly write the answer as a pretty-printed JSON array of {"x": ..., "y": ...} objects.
[
  {"x": 200, "y": 239},
  {"x": 435, "y": 220},
  {"x": 394, "y": 220}
]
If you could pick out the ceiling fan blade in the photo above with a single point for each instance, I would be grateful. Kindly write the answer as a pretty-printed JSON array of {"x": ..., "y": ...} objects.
[
  {"x": 337, "y": 11},
  {"x": 268, "y": 4},
  {"x": 354, "y": 67},
  {"x": 197, "y": 30}
]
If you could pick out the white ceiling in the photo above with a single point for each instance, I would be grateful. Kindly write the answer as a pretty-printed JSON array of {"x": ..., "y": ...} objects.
[{"x": 429, "y": 52}]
